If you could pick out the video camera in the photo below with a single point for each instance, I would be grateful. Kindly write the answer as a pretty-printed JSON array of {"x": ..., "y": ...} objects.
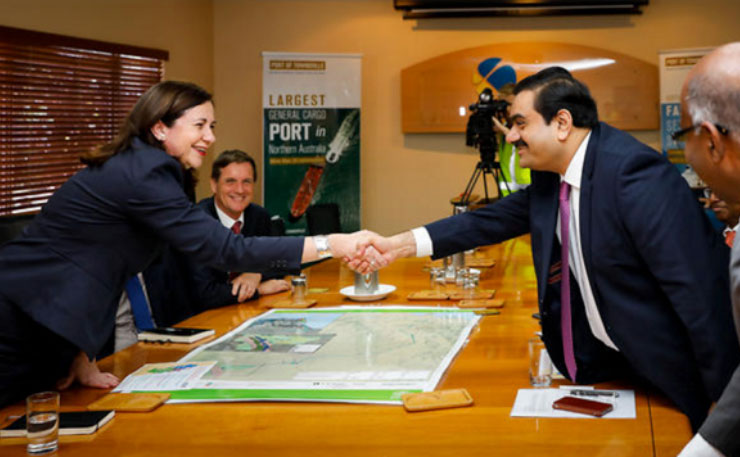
[{"x": 479, "y": 132}]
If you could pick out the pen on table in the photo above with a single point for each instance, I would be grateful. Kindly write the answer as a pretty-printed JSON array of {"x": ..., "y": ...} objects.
[{"x": 593, "y": 393}]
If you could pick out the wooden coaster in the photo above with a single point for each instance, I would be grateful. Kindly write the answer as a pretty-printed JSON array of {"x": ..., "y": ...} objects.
[
  {"x": 479, "y": 262},
  {"x": 141, "y": 402},
  {"x": 424, "y": 401},
  {"x": 290, "y": 304},
  {"x": 494, "y": 303},
  {"x": 434, "y": 263},
  {"x": 427, "y": 295},
  {"x": 478, "y": 295}
]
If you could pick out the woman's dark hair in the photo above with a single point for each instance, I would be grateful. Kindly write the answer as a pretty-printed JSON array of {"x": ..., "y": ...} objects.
[
  {"x": 166, "y": 102},
  {"x": 556, "y": 89}
]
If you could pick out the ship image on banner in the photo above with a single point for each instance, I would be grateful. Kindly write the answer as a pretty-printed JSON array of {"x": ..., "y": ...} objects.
[
  {"x": 311, "y": 136},
  {"x": 345, "y": 137}
]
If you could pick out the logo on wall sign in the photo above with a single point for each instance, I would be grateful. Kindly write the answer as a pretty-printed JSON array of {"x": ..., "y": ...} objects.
[{"x": 490, "y": 74}]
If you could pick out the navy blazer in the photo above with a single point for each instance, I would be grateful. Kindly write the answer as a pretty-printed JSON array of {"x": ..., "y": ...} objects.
[
  {"x": 212, "y": 288},
  {"x": 657, "y": 269},
  {"x": 105, "y": 224}
]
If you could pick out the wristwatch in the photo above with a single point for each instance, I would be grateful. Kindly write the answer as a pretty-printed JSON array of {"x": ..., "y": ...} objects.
[{"x": 321, "y": 243}]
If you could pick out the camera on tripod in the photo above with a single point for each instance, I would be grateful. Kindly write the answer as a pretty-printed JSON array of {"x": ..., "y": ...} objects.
[{"x": 480, "y": 134}]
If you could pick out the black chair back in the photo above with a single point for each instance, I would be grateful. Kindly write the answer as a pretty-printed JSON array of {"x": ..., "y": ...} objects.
[
  {"x": 323, "y": 219},
  {"x": 277, "y": 226},
  {"x": 12, "y": 226}
]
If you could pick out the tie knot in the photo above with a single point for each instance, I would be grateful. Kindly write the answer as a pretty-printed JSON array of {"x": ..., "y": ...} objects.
[
  {"x": 564, "y": 190},
  {"x": 237, "y": 227}
]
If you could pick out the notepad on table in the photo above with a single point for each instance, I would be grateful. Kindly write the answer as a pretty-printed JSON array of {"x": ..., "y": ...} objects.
[
  {"x": 70, "y": 423},
  {"x": 175, "y": 334}
]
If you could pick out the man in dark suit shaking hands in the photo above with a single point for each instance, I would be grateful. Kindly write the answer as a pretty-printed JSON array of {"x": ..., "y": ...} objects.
[{"x": 643, "y": 289}]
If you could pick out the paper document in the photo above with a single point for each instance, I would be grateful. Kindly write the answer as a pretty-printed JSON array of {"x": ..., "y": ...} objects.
[
  {"x": 538, "y": 403},
  {"x": 164, "y": 377},
  {"x": 368, "y": 354}
]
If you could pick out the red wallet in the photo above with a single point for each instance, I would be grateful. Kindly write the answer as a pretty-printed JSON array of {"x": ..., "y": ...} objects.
[{"x": 583, "y": 406}]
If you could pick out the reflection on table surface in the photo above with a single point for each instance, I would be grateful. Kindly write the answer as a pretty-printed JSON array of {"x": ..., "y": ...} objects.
[{"x": 492, "y": 367}]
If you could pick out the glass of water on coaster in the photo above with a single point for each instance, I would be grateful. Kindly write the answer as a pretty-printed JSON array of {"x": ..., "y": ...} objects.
[
  {"x": 300, "y": 287},
  {"x": 42, "y": 422},
  {"x": 437, "y": 279}
]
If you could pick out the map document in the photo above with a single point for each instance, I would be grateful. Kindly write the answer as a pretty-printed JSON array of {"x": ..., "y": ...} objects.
[{"x": 347, "y": 354}]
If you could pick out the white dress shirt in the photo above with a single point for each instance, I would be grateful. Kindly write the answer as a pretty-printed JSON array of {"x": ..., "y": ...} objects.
[
  {"x": 424, "y": 245},
  {"x": 225, "y": 219}
]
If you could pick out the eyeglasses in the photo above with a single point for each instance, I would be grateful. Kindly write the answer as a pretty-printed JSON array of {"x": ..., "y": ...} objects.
[{"x": 680, "y": 135}]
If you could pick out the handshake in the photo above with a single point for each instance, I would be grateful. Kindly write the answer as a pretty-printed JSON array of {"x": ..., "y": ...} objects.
[{"x": 366, "y": 252}]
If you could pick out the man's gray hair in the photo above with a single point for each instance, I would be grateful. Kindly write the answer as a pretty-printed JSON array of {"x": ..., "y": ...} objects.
[{"x": 712, "y": 98}]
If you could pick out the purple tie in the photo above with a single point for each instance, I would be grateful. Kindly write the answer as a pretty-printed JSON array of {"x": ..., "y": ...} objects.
[{"x": 566, "y": 326}]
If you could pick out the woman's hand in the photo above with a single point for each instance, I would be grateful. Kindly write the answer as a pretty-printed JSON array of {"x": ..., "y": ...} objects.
[{"x": 87, "y": 373}]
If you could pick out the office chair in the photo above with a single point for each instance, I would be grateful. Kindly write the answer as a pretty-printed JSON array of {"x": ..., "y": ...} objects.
[
  {"x": 12, "y": 226},
  {"x": 277, "y": 226},
  {"x": 323, "y": 219}
]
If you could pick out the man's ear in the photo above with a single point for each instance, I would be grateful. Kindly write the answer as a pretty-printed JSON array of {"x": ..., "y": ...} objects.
[
  {"x": 715, "y": 142},
  {"x": 213, "y": 186},
  {"x": 564, "y": 124}
]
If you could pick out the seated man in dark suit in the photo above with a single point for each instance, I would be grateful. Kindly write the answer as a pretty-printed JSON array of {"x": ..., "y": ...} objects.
[{"x": 233, "y": 177}]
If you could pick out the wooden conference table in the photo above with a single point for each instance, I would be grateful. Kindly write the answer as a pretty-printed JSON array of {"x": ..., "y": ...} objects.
[{"x": 492, "y": 366}]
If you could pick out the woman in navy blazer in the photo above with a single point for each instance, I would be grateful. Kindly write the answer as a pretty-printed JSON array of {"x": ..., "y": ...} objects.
[{"x": 60, "y": 282}]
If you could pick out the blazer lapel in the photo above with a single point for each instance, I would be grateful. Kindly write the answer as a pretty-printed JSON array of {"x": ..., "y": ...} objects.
[
  {"x": 545, "y": 207},
  {"x": 585, "y": 212}
]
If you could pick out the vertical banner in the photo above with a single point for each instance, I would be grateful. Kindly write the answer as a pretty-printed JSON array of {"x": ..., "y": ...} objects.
[
  {"x": 311, "y": 136},
  {"x": 674, "y": 66}
]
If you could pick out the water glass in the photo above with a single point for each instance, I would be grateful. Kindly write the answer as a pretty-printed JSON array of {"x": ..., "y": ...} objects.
[
  {"x": 540, "y": 365},
  {"x": 299, "y": 289},
  {"x": 366, "y": 284},
  {"x": 436, "y": 278},
  {"x": 42, "y": 422}
]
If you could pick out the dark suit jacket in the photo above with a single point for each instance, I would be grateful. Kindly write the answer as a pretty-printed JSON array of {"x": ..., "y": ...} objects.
[
  {"x": 211, "y": 286},
  {"x": 722, "y": 428},
  {"x": 657, "y": 269},
  {"x": 103, "y": 226}
]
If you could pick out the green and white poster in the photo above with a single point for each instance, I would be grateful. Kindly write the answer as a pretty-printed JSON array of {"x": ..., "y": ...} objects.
[{"x": 311, "y": 136}]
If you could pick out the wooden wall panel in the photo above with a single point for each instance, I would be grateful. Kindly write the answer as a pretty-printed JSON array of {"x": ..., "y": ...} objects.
[{"x": 434, "y": 91}]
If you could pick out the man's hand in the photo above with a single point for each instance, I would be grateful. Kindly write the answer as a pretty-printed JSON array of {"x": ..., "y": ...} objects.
[
  {"x": 273, "y": 286},
  {"x": 499, "y": 127},
  {"x": 244, "y": 285},
  {"x": 376, "y": 252}
]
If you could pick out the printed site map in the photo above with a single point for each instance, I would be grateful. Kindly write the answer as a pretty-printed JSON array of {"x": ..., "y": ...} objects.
[{"x": 349, "y": 354}]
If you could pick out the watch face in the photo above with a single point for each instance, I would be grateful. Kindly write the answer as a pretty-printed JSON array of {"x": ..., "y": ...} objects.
[{"x": 322, "y": 246}]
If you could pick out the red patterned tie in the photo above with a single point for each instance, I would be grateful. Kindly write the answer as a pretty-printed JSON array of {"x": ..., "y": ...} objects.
[
  {"x": 566, "y": 324},
  {"x": 237, "y": 229},
  {"x": 730, "y": 237}
]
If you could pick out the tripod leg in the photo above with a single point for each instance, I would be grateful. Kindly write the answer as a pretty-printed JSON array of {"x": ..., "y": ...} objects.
[
  {"x": 485, "y": 187},
  {"x": 471, "y": 185},
  {"x": 496, "y": 172}
]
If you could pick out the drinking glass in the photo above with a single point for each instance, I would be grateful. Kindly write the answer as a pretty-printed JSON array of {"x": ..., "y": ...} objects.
[
  {"x": 540, "y": 366},
  {"x": 42, "y": 422}
]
